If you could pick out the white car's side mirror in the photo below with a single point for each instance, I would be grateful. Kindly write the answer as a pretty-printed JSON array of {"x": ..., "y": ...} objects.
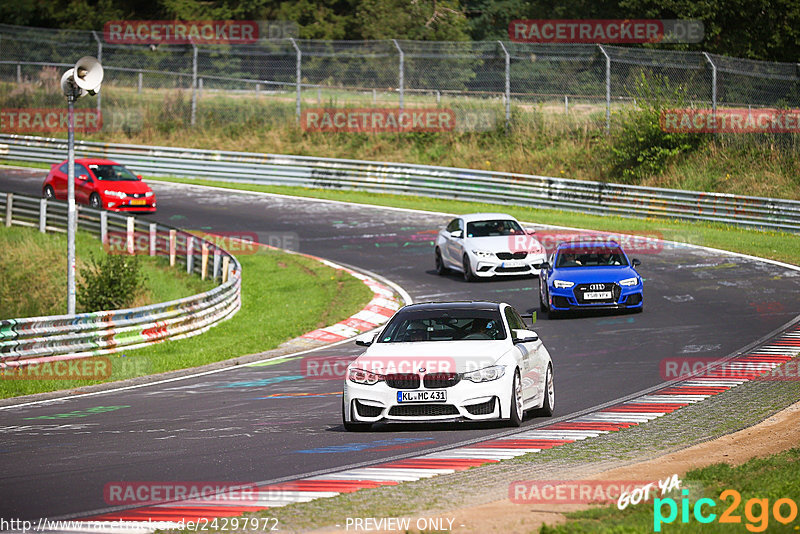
[
  {"x": 365, "y": 340},
  {"x": 519, "y": 335},
  {"x": 457, "y": 234}
]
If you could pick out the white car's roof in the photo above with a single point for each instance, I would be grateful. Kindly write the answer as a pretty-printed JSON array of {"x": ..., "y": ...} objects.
[{"x": 486, "y": 216}]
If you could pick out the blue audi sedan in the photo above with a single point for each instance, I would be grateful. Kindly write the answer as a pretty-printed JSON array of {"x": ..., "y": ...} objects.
[{"x": 589, "y": 275}]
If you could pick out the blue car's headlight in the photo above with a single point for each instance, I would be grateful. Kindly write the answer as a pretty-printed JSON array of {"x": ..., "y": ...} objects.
[
  {"x": 563, "y": 284},
  {"x": 629, "y": 281},
  {"x": 487, "y": 374}
]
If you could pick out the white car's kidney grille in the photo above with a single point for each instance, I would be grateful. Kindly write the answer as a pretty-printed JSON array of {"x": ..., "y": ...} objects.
[
  {"x": 402, "y": 380},
  {"x": 512, "y": 255},
  {"x": 441, "y": 380},
  {"x": 423, "y": 410}
]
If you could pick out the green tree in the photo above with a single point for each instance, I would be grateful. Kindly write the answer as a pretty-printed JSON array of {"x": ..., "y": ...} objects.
[{"x": 420, "y": 20}]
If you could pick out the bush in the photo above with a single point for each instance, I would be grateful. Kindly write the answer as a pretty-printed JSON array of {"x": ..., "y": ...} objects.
[
  {"x": 640, "y": 149},
  {"x": 110, "y": 284}
]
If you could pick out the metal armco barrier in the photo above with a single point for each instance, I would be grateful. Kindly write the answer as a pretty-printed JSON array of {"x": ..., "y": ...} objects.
[
  {"x": 39, "y": 339},
  {"x": 439, "y": 182}
]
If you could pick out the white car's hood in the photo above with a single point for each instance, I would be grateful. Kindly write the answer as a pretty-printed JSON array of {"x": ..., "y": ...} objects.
[
  {"x": 433, "y": 356},
  {"x": 504, "y": 243}
]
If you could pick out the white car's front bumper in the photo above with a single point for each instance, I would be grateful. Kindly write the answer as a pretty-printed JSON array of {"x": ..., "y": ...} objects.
[
  {"x": 466, "y": 401},
  {"x": 488, "y": 266}
]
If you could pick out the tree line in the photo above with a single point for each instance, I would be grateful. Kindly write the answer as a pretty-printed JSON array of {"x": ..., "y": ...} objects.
[{"x": 754, "y": 29}]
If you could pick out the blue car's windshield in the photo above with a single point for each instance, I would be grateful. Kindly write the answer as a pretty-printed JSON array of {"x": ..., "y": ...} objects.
[{"x": 591, "y": 257}]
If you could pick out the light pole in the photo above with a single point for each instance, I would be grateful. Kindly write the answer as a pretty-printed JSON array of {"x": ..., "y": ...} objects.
[{"x": 84, "y": 78}]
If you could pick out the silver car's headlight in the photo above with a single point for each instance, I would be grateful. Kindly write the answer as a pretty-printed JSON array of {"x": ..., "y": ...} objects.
[
  {"x": 487, "y": 374},
  {"x": 629, "y": 281},
  {"x": 563, "y": 284},
  {"x": 483, "y": 253},
  {"x": 360, "y": 376}
]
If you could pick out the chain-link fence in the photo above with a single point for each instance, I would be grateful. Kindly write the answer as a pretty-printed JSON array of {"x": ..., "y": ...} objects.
[{"x": 272, "y": 81}]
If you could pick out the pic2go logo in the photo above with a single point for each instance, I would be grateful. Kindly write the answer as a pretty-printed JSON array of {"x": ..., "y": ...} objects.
[{"x": 756, "y": 511}]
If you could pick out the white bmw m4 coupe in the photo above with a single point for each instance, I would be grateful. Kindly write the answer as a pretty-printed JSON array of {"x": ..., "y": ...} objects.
[
  {"x": 483, "y": 245},
  {"x": 450, "y": 361}
]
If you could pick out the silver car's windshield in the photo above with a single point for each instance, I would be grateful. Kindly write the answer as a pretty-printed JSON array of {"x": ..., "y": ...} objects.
[
  {"x": 444, "y": 325},
  {"x": 493, "y": 228}
]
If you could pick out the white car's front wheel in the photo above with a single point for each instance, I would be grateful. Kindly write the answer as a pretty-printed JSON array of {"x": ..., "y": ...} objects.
[
  {"x": 469, "y": 276},
  {"x": 441, "y": 270},
  {"x": 549, "y": 401},
  {"x": 517, "y": 413}
]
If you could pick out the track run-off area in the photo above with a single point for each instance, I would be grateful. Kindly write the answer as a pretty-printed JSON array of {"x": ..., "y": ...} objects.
[{"x": 267, "y": 422}]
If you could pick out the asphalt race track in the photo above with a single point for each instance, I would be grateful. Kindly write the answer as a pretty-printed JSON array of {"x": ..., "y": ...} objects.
[{"x": 248, "y": 424}]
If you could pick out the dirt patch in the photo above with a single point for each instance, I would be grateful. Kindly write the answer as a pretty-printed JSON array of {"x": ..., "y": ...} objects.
[{"x": 776, "y": 434}]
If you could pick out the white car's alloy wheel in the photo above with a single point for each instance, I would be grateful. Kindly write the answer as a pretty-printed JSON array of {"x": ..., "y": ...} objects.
[{"x": 517, "y": 413}]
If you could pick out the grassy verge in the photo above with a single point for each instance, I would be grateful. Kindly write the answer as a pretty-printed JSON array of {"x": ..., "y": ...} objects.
[
  {"x": 764, "y": 479},
  {"x": 774, "y": 245},
  {"x": 543, "y": 139},
  {"x": 38, "y": 263},
  {"x": 283, "y": 296}
]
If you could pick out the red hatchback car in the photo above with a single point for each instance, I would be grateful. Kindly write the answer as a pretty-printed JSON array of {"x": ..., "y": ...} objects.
[{"x": 101, "y": 183}]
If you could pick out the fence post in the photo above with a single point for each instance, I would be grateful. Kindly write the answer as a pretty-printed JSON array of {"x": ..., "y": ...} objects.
[
  {"x": 139, "y": 86},
  {"x": 19, "y": 73},
  {"x": 9, "y": 207},
  {"x": 152, "y": 239},
  {"x": 401, "y": 75},
  {"x": 203, "y": 260},
  {"x": 100, "y": 59},
  {"x": 299, "y": 76},
  {"x": 608, "y": 87},
  {"x": 104, "y": 227},
  {"x": 189, "y": 254},
  {"x": 508, "y": 85},
  {"x": 217, "y": 253},
  {"x": 713, "y": 83},
  {"x": 131, "y": 227},
  {"x": 194, "y": 83},
  {"x": 43, "y": 215},
  {"x": 566, "y": 105},
  {"x": 172, "y": 239},
  {"x": 225, "y": 263}
]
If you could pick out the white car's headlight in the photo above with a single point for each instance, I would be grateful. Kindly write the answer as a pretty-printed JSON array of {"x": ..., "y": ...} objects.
[
  {"x": 563, "y": 284},
  {"x": 487, "y": 374},
  {"x": 360, "y": 376},
  {"x": 629, "y": 281},
  {"x": 483, "y": 253},
  {"x": 118, "y": 194}
]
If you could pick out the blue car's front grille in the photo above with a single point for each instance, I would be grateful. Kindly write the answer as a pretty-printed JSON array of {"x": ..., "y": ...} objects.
[{"x": 581, "y": 289}]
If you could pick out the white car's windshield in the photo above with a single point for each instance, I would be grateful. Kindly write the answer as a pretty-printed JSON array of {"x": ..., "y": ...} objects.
[
  {"x": 444, "y": 325},
  {"x": 493, "y": 228}
]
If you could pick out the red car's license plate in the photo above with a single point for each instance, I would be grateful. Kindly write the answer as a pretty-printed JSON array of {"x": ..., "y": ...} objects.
[{"x": 138, "y": 202}]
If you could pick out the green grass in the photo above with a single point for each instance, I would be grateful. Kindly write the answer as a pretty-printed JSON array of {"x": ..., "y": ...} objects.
[
  {"x": 38, "y": 262},
  {"x": 283, "y": 296},
  {"x": 779, "y": 246},
  {"x": 770, "y": 479}
]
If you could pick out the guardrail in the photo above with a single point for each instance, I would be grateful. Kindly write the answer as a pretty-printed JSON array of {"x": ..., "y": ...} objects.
[
  {"x": 60, "y": 337},
  {"x": 439, "y": 182}
]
